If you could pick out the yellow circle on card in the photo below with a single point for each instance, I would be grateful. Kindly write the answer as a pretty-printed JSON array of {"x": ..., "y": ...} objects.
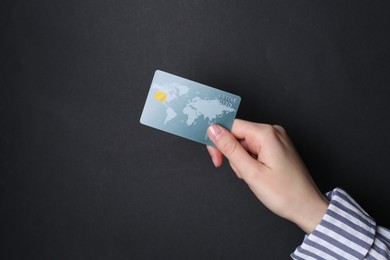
[{"x": 160, "y": 96}]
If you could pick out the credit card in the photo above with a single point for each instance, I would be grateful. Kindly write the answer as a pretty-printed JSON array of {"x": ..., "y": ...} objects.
[{"x": 186, "y": 108}]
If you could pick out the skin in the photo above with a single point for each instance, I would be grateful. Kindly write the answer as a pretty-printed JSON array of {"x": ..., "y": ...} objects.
[{"x": 265, "y": 158}]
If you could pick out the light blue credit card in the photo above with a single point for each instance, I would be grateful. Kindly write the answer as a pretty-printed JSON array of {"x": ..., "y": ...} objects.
[{"x": 186, "y": 108}]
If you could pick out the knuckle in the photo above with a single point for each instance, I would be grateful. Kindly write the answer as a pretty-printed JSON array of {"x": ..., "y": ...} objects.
[
  {"x": 270, "y": 130},
  {"x": 280, "y": 128}
]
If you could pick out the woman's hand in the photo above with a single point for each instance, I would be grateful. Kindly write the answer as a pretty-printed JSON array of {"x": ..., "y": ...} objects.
[{"x": 265, "y": 158}]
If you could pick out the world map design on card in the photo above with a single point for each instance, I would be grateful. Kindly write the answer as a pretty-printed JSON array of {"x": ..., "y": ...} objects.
[{"x": 187, "y": 108}]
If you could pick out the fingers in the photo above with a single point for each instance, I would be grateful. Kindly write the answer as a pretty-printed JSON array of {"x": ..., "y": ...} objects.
[
  {"x": 216, "y": 156},
  {"x": 242, "y": 128},
  {"x": 250, "y": 147},
  {"x": 228, "y": 145}
]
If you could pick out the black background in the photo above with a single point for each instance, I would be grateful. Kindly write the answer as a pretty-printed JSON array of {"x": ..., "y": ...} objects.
[{"x": 81, "y": 178}]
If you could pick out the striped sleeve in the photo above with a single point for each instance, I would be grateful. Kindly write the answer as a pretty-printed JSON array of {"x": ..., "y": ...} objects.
[{"x": 345, "y": 232}]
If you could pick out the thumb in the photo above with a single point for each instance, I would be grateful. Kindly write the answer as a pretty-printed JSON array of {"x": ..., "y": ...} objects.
[{"x": 228, "y": 145}]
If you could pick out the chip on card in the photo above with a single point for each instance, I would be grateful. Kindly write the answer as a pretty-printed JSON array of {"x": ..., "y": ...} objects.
[{"x": 186, "y": 108}]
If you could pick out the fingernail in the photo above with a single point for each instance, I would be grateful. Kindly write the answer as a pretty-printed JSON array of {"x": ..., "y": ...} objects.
[{"x": 214, "y": 131}]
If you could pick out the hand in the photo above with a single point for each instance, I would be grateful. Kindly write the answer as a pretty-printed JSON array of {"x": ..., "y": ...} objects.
[{"x": 265, "y": 158}]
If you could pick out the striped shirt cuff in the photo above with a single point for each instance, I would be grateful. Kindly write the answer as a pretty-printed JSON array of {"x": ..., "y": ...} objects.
[{"x": 345, "y": 232}]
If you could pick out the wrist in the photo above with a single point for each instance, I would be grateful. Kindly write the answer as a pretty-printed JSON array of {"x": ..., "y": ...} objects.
[{"x": 312, "y": 213}]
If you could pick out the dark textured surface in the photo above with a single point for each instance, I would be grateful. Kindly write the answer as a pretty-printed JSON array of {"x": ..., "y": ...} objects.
[{"x": 80, "y": 178}]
